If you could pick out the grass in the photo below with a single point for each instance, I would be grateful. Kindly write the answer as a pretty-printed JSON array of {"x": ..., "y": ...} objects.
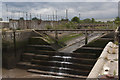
[
  {"x": 116, "y": 42},
  {"x": 69, "y": 25},
  {"x": 109, "y": 27},
  {"x": 69, "y": 37}
]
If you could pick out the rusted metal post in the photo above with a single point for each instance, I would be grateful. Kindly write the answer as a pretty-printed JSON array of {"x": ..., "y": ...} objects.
[
  {"x": 14, "y": 41},
  {"x": 14, "y": 38},
  {"x": 30, "y": 20},
  {"x": 119, "y": 48},
  {"x": 56, "y": 34},
  {"x": 86, "y": 37},
  {"x": 56, "y": 37}
]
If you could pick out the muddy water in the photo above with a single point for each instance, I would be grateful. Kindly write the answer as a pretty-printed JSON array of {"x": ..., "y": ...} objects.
[{"x": 20, "y": 73}]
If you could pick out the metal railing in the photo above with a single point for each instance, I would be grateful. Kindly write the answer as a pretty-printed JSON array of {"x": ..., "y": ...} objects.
[{"x": 78, "y": 30}]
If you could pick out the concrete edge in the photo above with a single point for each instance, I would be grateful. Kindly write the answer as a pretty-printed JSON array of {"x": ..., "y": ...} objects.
[{"x": 100, "y": 63}]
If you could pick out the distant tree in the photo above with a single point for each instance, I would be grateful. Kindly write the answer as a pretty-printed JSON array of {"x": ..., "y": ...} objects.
[
  {"x": 35, "y": 18},
  {"x": 93, "y": 20},
  {"x": 75, "y": 19},
  {"x": 99, "y": 21},
  {"x": 64, "y": 19},
  {"x": 1, "y": 19},
  {"x": 21, "y": 18},
  {"x": 87, "y": 20},
  {"x": 108, "y": 21},
  {"x": 117, "y": 19},
  {"x": 10, "y": 19}
]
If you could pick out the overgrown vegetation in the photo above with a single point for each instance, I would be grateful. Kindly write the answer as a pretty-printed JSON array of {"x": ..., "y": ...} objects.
[
  {"x": 117, "y": 20},
  {"x": 87, "y": 20},
  {"x": 75, "y": 21},
  {"x": 68, "y": 25}
]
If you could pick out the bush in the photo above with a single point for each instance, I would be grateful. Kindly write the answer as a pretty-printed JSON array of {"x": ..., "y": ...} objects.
[
  {"x": 18, "y": 29},
  {"x": 48, "y": 26},
  {"x": 75, "y": 19}
]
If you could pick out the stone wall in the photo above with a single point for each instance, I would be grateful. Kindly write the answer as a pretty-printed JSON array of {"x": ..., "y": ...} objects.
[{"x": 10, "y": 58}]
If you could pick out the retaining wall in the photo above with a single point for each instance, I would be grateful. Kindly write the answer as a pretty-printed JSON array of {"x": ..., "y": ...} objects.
[{"x": 10, "y": 57}]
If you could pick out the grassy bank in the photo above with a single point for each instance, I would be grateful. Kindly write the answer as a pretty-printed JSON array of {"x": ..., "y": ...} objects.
[{"x": 69, "y": 37}]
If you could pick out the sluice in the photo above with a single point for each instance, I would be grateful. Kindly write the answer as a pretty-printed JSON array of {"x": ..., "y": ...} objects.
[{"x": 41, "y": 58}]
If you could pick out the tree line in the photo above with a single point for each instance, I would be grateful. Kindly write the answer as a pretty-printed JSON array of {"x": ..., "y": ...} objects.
[{"x": 92, "y": 20}]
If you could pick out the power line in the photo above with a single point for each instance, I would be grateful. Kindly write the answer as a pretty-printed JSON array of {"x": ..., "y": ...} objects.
[
  {"x": 19, "y": 14},
  {"x": 7, "y": 11},
  {"x": 56, "y": 15},
  {"x": 23, "y": 14},
  {"x": 53, "y": 16},
  {"x": 66, "y": 14},
  {"x": 40, "y": 17},
  {"x": 26, "y": 15},
  {"x": 79, "y": 15},
  {"x": 30, "y": 16},
  {"x": 48, "y": 17}
]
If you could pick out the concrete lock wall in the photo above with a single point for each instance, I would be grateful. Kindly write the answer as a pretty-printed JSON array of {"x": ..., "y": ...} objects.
[
  {"x": 4, "y": 24},
  {"x": 10, "y": 57},
  {"x": 32, "y": 24},
  {"x": 107, "y": 59}
]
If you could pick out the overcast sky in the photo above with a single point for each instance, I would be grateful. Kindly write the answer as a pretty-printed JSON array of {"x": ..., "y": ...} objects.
[
  {"x": 97, "y": 10},
  {"x": 60, "y": 0}
]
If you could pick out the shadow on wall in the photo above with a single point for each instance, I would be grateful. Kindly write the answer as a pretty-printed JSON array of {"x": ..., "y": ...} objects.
[{"x": 11, "y": 53}]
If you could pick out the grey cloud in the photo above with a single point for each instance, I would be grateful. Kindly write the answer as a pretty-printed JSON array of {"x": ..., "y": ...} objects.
[
  {"x": 61, "y": 1},
  {"x": 87, "y": 9}
]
